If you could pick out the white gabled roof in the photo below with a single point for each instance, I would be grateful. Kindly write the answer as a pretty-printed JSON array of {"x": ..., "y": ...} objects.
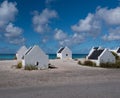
[
  {"x": 22, "y": 49},
  {"x": 31, "y": 48}
]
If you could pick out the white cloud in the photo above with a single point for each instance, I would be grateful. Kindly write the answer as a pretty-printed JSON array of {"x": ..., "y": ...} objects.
[
  {"x": 114, "y": 34},
  {"x": 13, "y": 34},
  {"x": 8, "y": 32},
  {"x": 93, "y": 24},
  {"x": 8, "y": 11},
  {"x": 59, "y": 34},
  {"x": 12, "y": 31},
  {"x": 110, "y": 16},
  {"x": 65, "y": 40},
  {"x": 90, "y": 25},
  {"x": 84, "y": 24},
  {"x": 18, "y": 40},
  {"x": 72, "y": 40},
  {"x": 41, "y": 21}
]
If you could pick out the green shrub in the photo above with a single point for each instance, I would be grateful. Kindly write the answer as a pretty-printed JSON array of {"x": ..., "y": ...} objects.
[
  {"x": 79, "y": 62},
  {"x": 19, "y": 65},
  {"x": 110, "y": 65},
  {"x": 116, "y": 56},
  {"x": 58, "y": 58},
  {"x": 117, "y": 64},
  {"x": 106, "y": 65},
  {"x": 89, "y": 63},
  {"x": 30, "y": 67},
  {"x": 75, "y": 59}
]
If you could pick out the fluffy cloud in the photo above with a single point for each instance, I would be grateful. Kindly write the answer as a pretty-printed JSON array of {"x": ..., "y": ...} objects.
[
  {"x": 110, "y": 16},
  {"x": 72, "y": 40},
  {"x": 8, "y": 11},
  {"x": 88, "y": 25},
  {"x": 8, "y": 32},
  {"x": 12, "y": 31},
  {"x": 17, "y": 40},
  {"x": 93, "y": 24},
  {"x": 13, "y": 34},
  {"x": 65, "y": 40},
  {"x": 83, "y": 25},
  {"x": 114, "y": 34},
  {"x": 41, "y": 21},
  {"x": 59, "y": 34}
]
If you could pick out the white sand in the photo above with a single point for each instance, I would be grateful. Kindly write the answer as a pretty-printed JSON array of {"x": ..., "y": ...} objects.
[{"x": 67, "y": 72}]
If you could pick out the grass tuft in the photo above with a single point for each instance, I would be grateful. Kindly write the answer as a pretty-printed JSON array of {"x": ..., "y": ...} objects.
[
  {"x": 19, "y": 65},
  {"x": 30, "y": 67}
]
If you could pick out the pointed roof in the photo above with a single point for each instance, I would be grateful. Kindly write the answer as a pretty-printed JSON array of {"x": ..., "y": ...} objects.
[
  {"x": 22, "y": 49},
  {"x": 61, "y": 49},
  {"x": 28, "y": 51},
  {"x": 95, "y": 54},
  {"x": 95, "y": 47},
  {"x": 118, "y": 50}
]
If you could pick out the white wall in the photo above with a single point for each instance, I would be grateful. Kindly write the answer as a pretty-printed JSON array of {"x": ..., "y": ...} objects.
[
  {"x": 106, "y": 57},
  {"x": 59, "y": 55},
  {"x": 36, "y": 55},
  {"x": 65, "y": 54}
]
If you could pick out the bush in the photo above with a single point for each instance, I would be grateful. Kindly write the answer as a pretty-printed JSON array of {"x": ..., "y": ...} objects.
[
  {"x": 31, "y": 67},
  {"x": 58, "y": 58},
  {"x": 19, "y": 65},
  {"x": 75, "y": 59},
  {"x": 117, "y": 64},
  {"x": 110, "y": 65},
  {"x": 89, "y": 63},
  {"x": 106, "y": 65},
  {"x": 116, "y": 56},
  {"x": 79, "y": 62}
]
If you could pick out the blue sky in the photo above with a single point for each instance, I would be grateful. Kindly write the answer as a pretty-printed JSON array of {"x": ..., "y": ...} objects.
[{"x": 78, "y": 24}]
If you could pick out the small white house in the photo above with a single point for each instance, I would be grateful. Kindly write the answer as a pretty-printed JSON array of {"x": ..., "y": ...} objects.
[
  {"x": 64, "y": 53},
  {"x": 36, "y": 57},
  {"x": 99, "y": 55},
  {"x": 20, "y": 53}
]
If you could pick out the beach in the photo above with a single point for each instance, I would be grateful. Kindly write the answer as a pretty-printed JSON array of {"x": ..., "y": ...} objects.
[{"x": 68, "y": 80}]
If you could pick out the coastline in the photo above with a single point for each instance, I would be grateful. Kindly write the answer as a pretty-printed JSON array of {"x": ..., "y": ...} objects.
[{"x": 51, "y": 56}]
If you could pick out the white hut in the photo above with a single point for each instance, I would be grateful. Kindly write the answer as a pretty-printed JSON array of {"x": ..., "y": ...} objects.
[
  {"x": 99, "y": 55},
  {"x": 36, "y": 57},
  {"x": 20, "y": 53},
  {"x": 64, "y": 53}
]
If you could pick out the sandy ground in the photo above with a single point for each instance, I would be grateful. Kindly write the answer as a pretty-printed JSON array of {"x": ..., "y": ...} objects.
[{"x": 68, "y": 77}]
